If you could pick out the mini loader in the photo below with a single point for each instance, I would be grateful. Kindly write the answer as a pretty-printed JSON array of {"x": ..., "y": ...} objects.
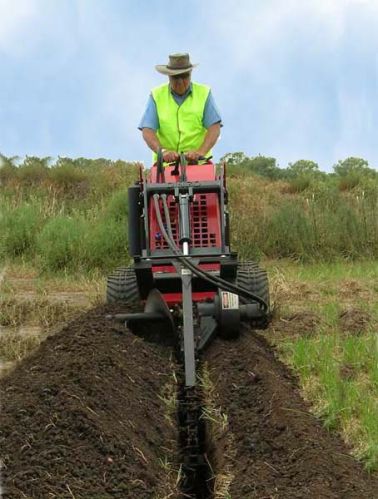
[{"x": 186, "y": 276}]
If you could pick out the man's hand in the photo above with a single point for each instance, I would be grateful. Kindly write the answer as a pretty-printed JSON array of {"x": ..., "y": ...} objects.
[
  {"x": 193, "y": 155},
  {"x": 170, "y": 156}
]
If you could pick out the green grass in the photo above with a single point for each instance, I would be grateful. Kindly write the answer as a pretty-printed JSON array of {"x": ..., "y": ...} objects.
[
  {"x": 337, "y": 363},
  {"x": 340, "y": 377},
  {"x": 66, "y": 219},
  {"x": 336, "y": 271}
]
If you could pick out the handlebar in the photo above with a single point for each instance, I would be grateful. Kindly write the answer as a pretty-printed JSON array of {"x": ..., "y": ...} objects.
[
  {"x": 191, "y": 162},
  {"x": 180, "y": 161}
]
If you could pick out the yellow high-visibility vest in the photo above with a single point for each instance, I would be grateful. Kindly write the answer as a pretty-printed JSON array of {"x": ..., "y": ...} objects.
[{"x": 180, "y": 126}]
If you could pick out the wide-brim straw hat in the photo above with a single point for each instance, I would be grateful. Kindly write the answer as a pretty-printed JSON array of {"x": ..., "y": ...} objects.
[{"x": 178, "y": 64}]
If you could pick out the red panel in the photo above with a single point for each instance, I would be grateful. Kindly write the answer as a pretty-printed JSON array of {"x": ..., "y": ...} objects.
[
  {"x": 194, "y": 173},
  {"x": 204, "y": 211},
  {"x": 163, "y": 268}
]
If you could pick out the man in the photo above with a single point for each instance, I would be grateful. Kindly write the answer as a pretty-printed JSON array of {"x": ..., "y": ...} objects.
[{"x": 181, "y": 116}]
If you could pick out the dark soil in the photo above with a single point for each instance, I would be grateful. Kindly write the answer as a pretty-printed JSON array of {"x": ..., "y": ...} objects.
[
  {"x": 279, "y": 449},
  {"x": 82, "y": 418}
]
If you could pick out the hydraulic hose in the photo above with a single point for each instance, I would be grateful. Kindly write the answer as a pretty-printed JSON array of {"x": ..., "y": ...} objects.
[
  {"x": 214, "y": 280},
  {"x": 167, "y": 216}
]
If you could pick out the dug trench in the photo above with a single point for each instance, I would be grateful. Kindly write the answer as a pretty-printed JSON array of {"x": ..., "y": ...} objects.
[{"x": 86, "y": 417}]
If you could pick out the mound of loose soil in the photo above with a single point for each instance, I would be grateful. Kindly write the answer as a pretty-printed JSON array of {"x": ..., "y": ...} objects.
[
  {"x": 354, "y": 320},
  {"x": 82, "y": 416},
  {"x": 301, "y": 323},
  {"x": 279, "y": 449}
]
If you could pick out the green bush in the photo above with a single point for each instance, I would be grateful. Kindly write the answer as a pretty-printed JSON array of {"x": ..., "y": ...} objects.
[
  {"x": 33, "y": 171},
  {"x": 8, "y": 172},
  {"x": 349, "y": 182},
  {"x": 299, "y": 184}
]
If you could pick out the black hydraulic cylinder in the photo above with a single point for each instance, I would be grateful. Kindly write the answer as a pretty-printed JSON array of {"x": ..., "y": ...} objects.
[{"x": 135, "y": 211}]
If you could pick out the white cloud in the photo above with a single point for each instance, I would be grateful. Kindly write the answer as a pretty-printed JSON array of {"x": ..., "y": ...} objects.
[
  {"x": 27, "y": 26},
  {"x": 252, "y": 30},
  {"x": 15, "y": 17}
]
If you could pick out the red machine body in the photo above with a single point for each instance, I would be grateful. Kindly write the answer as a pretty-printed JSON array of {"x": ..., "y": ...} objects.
[
  {"x": 184, "y": 271},
  {"x": 205, "y": 224}
]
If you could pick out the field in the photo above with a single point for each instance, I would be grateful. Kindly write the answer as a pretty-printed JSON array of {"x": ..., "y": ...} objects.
[{"x": 290, "y": 412}]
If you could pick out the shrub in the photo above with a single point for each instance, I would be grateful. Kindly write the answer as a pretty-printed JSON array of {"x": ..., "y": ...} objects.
[
  {"x": 8, "y": 172},
  {"x": 33, "y": 171},
  {"x": 349, "y": 182},
  {"x": 299, "y": 184}
]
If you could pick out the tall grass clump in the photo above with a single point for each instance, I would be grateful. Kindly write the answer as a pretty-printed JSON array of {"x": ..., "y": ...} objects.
[
  {"x": 105, "y": 246},
  {"x": 299, "y": 184},
  {"x": 18, "y": 230},
  {"x": 251, "y": 203},
  {"x": 346, "y": 226},
  {"x": 59, "y": 244},
  {"x": 289, "y": 233},
  {"x": 117, "y": 206}
]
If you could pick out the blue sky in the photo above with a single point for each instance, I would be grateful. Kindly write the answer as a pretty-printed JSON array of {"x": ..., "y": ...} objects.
[{"x": 294, "y": 79}]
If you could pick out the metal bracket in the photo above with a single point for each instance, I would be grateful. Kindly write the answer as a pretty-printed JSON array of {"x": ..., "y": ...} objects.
[{"x": 189, "y": 347}]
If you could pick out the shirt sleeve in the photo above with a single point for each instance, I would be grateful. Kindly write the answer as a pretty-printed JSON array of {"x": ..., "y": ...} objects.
[
  {"x": 211, "y": 114},
  {"x": 150, "y": 117}
]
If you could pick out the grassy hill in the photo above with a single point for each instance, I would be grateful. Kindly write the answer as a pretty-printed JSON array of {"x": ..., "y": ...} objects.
[{"x": 71, "y": 216}]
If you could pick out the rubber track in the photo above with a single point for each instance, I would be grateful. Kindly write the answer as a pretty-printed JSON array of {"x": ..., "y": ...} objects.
[
  {"x": 122, "y": 286},
  {"x": 255, "y": 279},
  {"x": 250, "y": 276}
]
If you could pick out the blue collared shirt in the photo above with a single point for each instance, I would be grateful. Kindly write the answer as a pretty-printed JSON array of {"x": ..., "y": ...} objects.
[{"x": 150, "y": 117}]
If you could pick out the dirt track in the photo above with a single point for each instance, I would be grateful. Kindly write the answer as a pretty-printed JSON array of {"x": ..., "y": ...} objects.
[{"x": 82, "y": 418}]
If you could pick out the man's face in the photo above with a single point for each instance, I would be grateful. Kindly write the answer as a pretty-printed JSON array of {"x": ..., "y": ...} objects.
[{"x": 180, "y": 83}]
